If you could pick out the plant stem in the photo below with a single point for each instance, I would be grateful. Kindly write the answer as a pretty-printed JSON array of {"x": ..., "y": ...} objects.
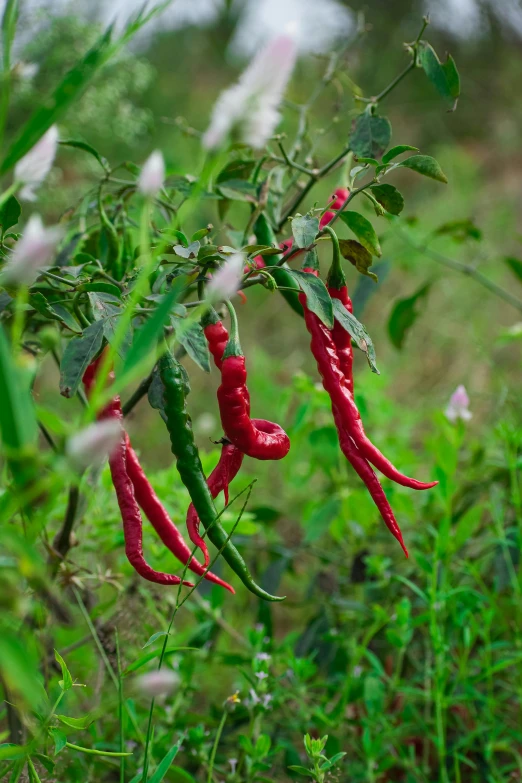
[
  {"x": 215, "y": 746},
  {"x": 62, "y": 541}
]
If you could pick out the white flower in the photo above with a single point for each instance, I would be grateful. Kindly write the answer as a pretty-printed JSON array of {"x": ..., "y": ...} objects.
[
  {"x": 263, "y": 656},
  {"x": 254, "y": 697},
  {"x": 33, "y": 168},
  {"x": 94, "y": 443},
  {"x": 34, "y": 250},
  {"x": 261, "y": 675},
  {"x": 267, "y": 698},
  {"x": 233, "y": 765},
  {"x": 158, "y": 683},
  {"x": 225, "y": 282},
  {"x": 458, "y": 407},
  {"x": 152, "y": 175},
  {"x": 252, "y": 104}
]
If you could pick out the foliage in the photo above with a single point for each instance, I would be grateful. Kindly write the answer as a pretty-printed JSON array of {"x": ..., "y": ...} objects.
[{"x": 392, "y": 670}]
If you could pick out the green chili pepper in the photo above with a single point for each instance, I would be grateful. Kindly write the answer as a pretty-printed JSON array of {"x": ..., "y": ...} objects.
[
  {"x": 190, "y": 470},
  {"x": 265, "y": 236}
]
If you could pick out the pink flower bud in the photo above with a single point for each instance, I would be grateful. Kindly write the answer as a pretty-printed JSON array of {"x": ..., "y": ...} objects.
[
  {"x": 225, "y": 282},
  {"x": 34, "y": 250},
  {"x": 158, "y": 683},
  {"x": 94, "y": 444},
  {"x": 33, "y": 168},
  {"x": 152, "y": 175},
  {"x": 458, "y": 407}
]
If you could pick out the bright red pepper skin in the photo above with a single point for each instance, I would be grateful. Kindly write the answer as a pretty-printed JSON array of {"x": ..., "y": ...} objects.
[
  {"x": 159, "y": 518},
  {"x": 225, "y": 471},
  {"x": 130, "y": 512},
  {"x": 334, "y": 381},
  {"x": 341, "y": 338},
  {"x": 217, "y": 338},
  {"x": 366, "y": 473},
  {"x": 339, "y": 197},
  {"x": 258, "y": 442}
]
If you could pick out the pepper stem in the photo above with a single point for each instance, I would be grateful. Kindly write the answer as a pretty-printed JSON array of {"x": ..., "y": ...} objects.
[
  {"x": 210, "y": 317},
  {"x": 233, "y": 347},
  {"x": 336, "y": 278}
]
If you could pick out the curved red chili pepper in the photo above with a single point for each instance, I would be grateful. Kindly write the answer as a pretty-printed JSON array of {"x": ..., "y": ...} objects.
[
  {"x": 366, "y": 473},
  {"x": 265, "y": 441},
  {"x": 325, "y": 354},
  {"x": 338, "y": 198},
  {"x": 225, "y": 471},
  {"x": 159, "y": 518},
  {"x": 130, "y": 512},
  {"x": 217, "y": 338}
]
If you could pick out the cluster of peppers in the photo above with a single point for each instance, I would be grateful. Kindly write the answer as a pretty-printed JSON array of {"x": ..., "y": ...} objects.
[{"x": 256, "y": 438}]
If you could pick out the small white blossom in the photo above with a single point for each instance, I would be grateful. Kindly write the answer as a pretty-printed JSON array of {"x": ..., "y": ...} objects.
[
  {"x": 34, "y": 250},
  {"x": 254, "y": 697},
  {"x": 225, "y": 282},
  {"x": 267, "y": 698},
  {"x": 33, "y": 168},
  {"x": 263, "y": 656},
  {"x": 261, "y": 675},
  {"x": 252, "y": 104},
  {"x": 159, "y": 683},
  {"x": 233, "y": 765},
  {"x": 152, "y": 175},
  {"x": 94, "y": 443},
  {"x": 458, "y": 407}
]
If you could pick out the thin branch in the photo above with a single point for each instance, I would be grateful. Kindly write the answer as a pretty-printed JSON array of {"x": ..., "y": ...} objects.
[{"x": 62, "y": 541}]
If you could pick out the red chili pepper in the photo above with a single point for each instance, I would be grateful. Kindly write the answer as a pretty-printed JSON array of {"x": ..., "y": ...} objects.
[
  {"x": 255, "y": 437},
  {"x": 335, "y": 383},
  {"x": 225, "y": 471},
  {"x": 217, "y": 338},
  {"x": 130, "y": 512},
  {"x": 338, "y": 198},
  {"x": 159, "y": 518}
]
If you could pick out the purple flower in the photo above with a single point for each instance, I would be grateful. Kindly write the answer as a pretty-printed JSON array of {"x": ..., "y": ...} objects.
[
  {"x": 152, "y": 175},
  {"x": 34, "y": 250}
]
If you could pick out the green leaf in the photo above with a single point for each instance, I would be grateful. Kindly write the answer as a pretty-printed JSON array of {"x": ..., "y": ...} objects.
[
  {"x": 388, "y": 197},
  {"x": 425, "y": 165},
  {"x": 82, "y": 145},
  {"x": 66, "y": 682},
  {"x": 305, "y": 229},
  {"x": 56, "y": 312},
  {"x": 101, "y": 288},
  {"x": 59, "y": 739},
  {"x": 396, "y": 151},
  {"x": 263, "y": 744},
  {"x": 10, "y": 213},
  {"x": 18, "y": 670},
  {"x": 179, "y": 775},
  {"x": 357, "y": 331},
  {"x": 515, "y": 265},
  {"x": 194, "y": 342},
  {"x": 302, "y": 771},
  {"x": 10, "y": 750},
  {"x": 370, "y": 135},
  {"x": 17, "y": 415},
  {"x": 54, "y": 106},
  {"x": 317, "y": 297},
  {"x": 45, "y": 761},
  {"x": 78, "y": 354},
  {"x": 155, "y": 637},
  {"x": 145, "y": 338},
  {"x": 363, "y": 230},
  {"x": 238, "y": 190},
  {"x": 104, "y": 305},
  {"x": 236, "y": 169},
  {"x": 165, "y": 764},
  {"x": 179, "y": 235},
  {"x": 52, "y": 421},
  {"x": 404, "y": 314},
  {"x": 357, "y": 255},
  {"x": 460, "y": 230},
  {"x": 368, "y": 161},
  {"x": 187, "y": 252},
  {"x": 77, "y": 723},
  {"x": 444, "y": 76}
]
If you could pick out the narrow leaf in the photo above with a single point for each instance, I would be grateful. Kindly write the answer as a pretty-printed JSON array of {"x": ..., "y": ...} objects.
[
  {"x": 425, "y": 165},
  {"x": 305, "y": 229},
  {"x": 388, "y": 197},
  {"x": 78, "y": 354},
  {"x": 9, "y": 214},
  {"x": 66, "y": 681},
  {"x": 444, "y": 76},
  {"x": 317, "y": 297},
  {"x": 17, "y": 415},
  {"x": 357, "y": 255},
  {"x": 101, "y": 288},
  {"x": 69, "y": 89},
  {"x": 82, "y": 145},
  {"x": 396, "y": 151},
  {"x": 404, "y": 314},
  {"x": 370, "y": 135},
  {"x": 77, "y": 723},
  {"x": 165, "y": 764},
  {"x": 363, "y": 230},
  {"x": 145, "y": 339},
  {"x": 516, "y": 266},
  {"x": 357, "y": 331}
]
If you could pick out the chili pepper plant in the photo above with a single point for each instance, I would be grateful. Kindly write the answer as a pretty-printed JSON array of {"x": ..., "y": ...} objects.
[{"x": 142, "y": 285}]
